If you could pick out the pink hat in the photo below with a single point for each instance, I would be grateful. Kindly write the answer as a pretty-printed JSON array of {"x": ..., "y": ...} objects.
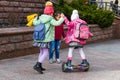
[{"x": 48, "y": 8}]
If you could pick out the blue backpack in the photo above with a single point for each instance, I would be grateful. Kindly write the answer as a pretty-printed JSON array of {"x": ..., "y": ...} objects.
[{"x": 39, "y": 32}]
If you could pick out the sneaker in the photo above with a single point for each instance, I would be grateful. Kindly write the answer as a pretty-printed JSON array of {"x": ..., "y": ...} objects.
[
  {"x": 85, "y": 63},
  {"x": 51, "y": 61},
  {"x": 70, "y": 68},
  {"x": 58, "y": 61}
]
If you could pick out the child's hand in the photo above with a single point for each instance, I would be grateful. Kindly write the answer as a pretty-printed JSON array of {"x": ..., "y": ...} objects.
[
  {"x": 62, "y": 15},
  {"x": 91, "y": 35},
  {"x": 36, "y": 16},
  {"x": 63, "y": 39}
]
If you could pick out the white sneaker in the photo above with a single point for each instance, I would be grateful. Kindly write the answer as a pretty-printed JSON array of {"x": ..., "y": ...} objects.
[
  {"x": 50, "y": 61},
  {"x": 58, "y": 61}
]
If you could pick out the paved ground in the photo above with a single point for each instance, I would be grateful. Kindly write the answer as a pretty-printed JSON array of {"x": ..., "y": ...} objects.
[{"x": 104, "y": 59}]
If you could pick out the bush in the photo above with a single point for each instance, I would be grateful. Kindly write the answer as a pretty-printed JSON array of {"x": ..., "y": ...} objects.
[
  {"x": 105, "y": 18},
  {"x": 66, "y": 9},
  {"x": 87, "y": 12}
]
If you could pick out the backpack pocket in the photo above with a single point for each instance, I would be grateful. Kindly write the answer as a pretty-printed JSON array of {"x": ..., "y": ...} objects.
[
  {"x": 39, "y": 32},
  {"x": 38, "y": 35}
]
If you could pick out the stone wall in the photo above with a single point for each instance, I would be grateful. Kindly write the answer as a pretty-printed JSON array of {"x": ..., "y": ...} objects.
[
  {"x": 18, "y": 41},
  {"x": 117, "y": 27},
  {"x": 101, "y": 34},
  {"x": 14, "y": 12}
]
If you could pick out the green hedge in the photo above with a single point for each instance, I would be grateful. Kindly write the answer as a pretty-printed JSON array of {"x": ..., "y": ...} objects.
[{"x": 89, "y": 13}]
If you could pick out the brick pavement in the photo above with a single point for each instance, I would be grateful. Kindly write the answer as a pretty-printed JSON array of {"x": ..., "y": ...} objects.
[{"x": 104, "y": 58}]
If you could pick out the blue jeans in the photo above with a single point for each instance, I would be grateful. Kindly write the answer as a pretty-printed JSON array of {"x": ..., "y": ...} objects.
[{"x": 54, "y": 46}]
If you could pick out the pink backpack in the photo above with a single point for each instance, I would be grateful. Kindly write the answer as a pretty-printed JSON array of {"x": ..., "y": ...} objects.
[{"x": 81, "y": 31}]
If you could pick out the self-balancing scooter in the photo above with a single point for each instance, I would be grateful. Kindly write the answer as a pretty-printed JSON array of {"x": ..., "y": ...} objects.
[{"x": 80, "y": 67}]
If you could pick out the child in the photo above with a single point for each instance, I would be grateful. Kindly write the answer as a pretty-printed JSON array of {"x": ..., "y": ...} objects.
[
  {"x": 50, "y": 22},
  {"x": 80, "y": 43},
  {"x": 55, "y": 45}
]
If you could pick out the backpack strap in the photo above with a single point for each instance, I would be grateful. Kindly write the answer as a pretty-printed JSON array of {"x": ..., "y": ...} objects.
[
  {"x": 45, "y": 26},
  {"x": 47, "y": 30}
]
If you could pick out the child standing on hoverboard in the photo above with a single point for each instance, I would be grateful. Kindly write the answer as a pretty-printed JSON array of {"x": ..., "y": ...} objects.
[{"x": 73, "y": 41}]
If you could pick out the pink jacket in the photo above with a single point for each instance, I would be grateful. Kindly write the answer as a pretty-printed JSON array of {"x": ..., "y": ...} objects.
[{"x": 69, "y": 36}]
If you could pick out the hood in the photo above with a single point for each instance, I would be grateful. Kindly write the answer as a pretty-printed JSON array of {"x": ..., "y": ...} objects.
[
  {"x": 74, "y": 15},
  {"x": 45, "y": 18}
]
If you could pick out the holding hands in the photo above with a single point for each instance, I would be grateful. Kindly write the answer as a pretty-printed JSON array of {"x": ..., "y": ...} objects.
[{"x": 62, "y": 15}]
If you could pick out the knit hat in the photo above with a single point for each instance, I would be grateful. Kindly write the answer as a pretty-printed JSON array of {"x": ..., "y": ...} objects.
[
  {"x": 48, "y": 8},
  {"x": 74, "y": 15}
]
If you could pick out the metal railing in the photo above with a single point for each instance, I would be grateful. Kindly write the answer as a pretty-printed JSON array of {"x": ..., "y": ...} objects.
[
  {"x": 103, "y": 5},
  {"x": 108, "y": 6}
]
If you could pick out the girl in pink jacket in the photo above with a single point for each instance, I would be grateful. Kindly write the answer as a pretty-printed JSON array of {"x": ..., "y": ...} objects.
[{"x": 71, "y": 40}]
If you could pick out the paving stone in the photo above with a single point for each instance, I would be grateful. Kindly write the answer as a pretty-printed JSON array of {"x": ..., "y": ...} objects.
[{"x": 104, "y": 59}]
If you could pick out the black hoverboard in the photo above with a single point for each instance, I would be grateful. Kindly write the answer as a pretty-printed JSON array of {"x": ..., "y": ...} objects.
[{"x": 82, "y": 68}]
